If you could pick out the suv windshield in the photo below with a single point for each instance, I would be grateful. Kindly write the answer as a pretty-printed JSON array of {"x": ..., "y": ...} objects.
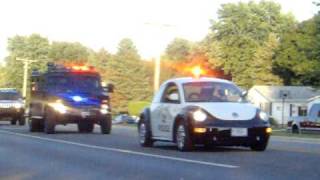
[
  {"x": 82, "y": 83},
  {"x": 211, "y": 92},
  {"x": 9, "y": 96}
]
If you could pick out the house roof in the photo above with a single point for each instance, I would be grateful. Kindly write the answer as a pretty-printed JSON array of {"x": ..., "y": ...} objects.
[{"x": 294, "y": 93}]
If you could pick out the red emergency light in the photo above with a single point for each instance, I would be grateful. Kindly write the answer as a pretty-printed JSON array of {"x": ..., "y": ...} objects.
[{"x": 81, "y": 68}]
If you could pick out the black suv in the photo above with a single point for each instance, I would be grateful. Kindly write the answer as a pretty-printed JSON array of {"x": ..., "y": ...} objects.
[
  {"x": 69, "y": 94},
  {"x": 11, "y": 106}
]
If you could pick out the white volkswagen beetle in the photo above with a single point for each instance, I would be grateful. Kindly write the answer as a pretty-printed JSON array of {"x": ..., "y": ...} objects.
[{"x": 207, "y": 111}]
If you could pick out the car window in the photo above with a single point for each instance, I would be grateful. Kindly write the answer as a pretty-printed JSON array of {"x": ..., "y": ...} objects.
[
  {"x": 9, "y": 96},
  {"x": 170, "y": 89},
  {"x": 211, "y": 92}
]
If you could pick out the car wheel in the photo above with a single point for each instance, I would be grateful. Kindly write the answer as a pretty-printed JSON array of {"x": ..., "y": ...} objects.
[
  {"x": 22, "y": 121},
  {"x": 295, "y": 129},
  {"x": 13, "y": 121},
  {"x": 183, "y": 138},
  {"x": 145, "y": 139},
  {"x": 85, "y": 127},
  {"x": 261, "y": 146},
  {"x": 49, "y": 122},
  {"x": 106, "y": 125}
]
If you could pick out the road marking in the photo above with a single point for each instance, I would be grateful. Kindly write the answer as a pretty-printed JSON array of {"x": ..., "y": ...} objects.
[{"x": 123, "y": 150}]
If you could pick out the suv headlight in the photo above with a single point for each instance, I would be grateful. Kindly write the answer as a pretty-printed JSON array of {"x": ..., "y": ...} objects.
[
  {"x": 59, "y": 107},
  {"x": 18, "y": 105},
  {"x": 199, "y": 115},
  {"x": 263, "y": 116}
]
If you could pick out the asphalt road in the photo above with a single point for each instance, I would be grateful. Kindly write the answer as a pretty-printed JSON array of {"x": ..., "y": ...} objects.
[{"x": 70, "y": 155}]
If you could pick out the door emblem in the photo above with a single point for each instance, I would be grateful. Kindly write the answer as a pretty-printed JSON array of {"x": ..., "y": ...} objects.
[{"x": 235, "y": 115}]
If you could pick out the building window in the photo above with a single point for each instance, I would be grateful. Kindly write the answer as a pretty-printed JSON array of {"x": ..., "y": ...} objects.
[{"x": 302, "y": 111}]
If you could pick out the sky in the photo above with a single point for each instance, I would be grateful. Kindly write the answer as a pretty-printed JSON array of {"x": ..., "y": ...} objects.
[{"x": 103, "y": 23}]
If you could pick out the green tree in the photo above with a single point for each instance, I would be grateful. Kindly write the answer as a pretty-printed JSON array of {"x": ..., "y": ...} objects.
[
  {"x": 129, "y": 75},
  {"x": 31, "y": 47},
  {"x": 262, "y": 66},
  {"x": 297, "y": 59},
  {"x": 240, "y": 31},
  {"x": 67, "y": 52},
  {"x": 178, "y": 50}
]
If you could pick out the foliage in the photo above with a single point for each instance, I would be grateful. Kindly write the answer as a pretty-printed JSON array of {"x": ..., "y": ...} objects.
[
  {"x": 68, "y": 52},
  {"x": 136, "y": 107},
  {"x": 298, "y": 57},
  {"x": 32, "y": 47},
  {"x": 178, "y": 50},
  {"x": 129, "y": 75},
  {"x": 240, "y": 31}
]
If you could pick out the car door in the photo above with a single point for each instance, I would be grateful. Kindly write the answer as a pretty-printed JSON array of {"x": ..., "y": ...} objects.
[{"x": 170, "y": 106}]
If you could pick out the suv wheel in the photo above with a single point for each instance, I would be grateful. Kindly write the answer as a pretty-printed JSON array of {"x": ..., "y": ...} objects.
[
  {"x": 49, "y": 122},
  {"x": 144, "y": 135},
  {"x": 105, "y": 125},
  {"x": 183, "y": 137}
]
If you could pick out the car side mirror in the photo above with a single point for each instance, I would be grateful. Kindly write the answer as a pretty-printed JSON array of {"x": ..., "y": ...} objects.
[
  {"x": 244, "y": 93},
  {"x": 110, "y": 88},
  {"x": 107, "y": 87},
  {"x": 173, "y": 97}
]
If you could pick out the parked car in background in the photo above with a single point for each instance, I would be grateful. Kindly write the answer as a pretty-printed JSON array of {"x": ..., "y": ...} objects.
[
  {"x": 310, "y": 123},
  {"x": 11, "y": 106},
  {"x": 124, "y": 118}
]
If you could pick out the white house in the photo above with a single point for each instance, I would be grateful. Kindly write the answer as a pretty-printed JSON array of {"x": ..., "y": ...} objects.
[{"x": 282, "y": 102}]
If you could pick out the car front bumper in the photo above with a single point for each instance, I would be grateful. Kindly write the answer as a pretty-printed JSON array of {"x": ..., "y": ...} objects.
[
  {"x": 81, "y": 114},
  {"x": 223, "y": 136},
  {"x": 11, "y": 112}
]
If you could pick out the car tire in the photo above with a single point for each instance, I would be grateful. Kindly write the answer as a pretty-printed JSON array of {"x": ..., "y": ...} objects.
[
  {"x": 106, "y": 125},
  {"x": 295, "y": 129},
  {"x": 13, "y": 121},
  {"x": 49, "y": 122},
  {"x": 22, "y": 121},
  {"x": 183, "y": 137},
  {"x": 85, "y": 126},
  {"x": 35, "y": 125},
  {"x": 261, "y": 146},
  {"x": 145, "y": 138}
]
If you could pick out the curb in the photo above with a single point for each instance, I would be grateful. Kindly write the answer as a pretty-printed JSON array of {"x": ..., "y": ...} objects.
[{"x": 296, "y": 139}]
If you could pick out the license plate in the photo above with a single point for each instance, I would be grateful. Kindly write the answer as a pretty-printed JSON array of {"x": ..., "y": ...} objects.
[
  {"x": 239, "y": 132},
  {"x": 85, "y": 114}
]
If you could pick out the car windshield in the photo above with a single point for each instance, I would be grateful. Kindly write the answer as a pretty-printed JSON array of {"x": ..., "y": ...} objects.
[
  {"x": 211, "y": 92},
  {"x": 9, "y": 96},
  {"x": 74, "y": 83}
]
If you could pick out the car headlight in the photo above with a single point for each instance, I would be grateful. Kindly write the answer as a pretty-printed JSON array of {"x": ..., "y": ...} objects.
[
  {"x": 18, "y": 105},
  {"x": 103, "y": 111},
  {"x": 264, "y": 116},
  {"x": 104, "y": 106},
  {"x": 59, "y": 107},
  {"x": 199, "y": 116}
]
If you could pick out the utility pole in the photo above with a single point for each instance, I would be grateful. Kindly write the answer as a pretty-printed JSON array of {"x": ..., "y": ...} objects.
[
  {"x": 26, "y": 63},
  {"x": 157, "y": 63},
  {"x": 156, "y": 75}
]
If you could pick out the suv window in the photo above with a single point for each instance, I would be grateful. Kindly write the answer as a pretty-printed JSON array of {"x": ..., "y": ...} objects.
[
  {"x": 74, "y": 83},
  {"x": 170, "y": 89}
]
